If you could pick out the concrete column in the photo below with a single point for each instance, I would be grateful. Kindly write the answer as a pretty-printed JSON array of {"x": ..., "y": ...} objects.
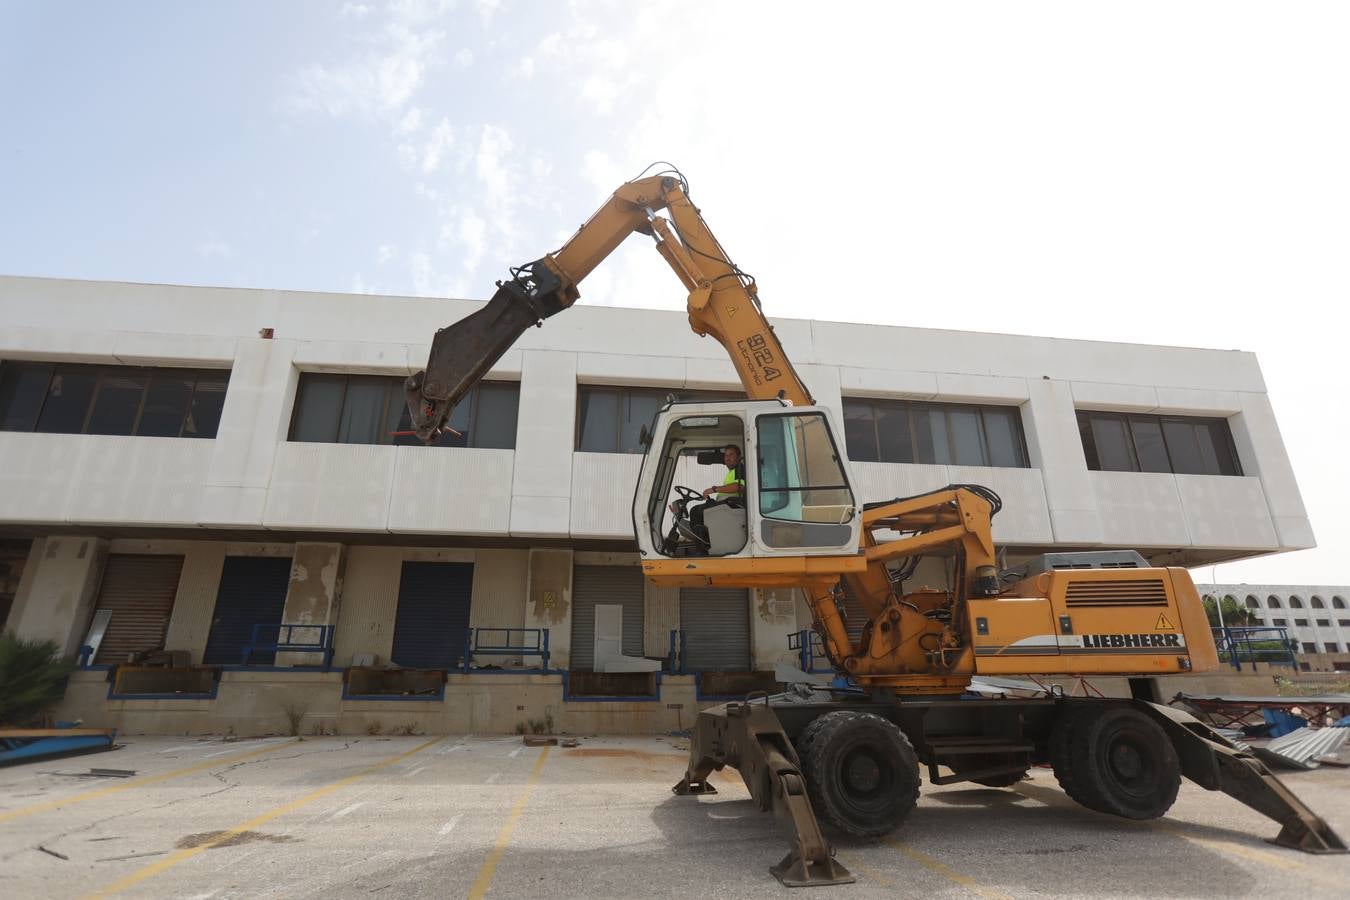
[
  {"x": 500, "y": 587},
  {"x": 255, "y": 419},
  {"x": 194, "y": 605},
  {"x": 541, "y": 489},
  {"x": 660, "y": 617},
  {"x": 311, "y": 598},
  {"x": 1057, "y": 450},
  {"x": 773, "y": 617},
  {"x": 56, "y": 600},
  {"x": 549, "y": 603}
]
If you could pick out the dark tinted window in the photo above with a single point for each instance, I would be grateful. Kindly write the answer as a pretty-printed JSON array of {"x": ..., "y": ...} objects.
[
  {"x": 23, "y": 387},
  {"x": 610, "y": 419},
  {"x": 127, "y": 400},
  {"x": 900, "y": 431},
  {"x": 371, "y": 409},
  {"x": 1113, "y": 442},
  {"x": 117, "y": 403}
]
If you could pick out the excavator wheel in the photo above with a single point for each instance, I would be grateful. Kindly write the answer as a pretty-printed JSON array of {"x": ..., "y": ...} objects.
[
  {"x": 1117, "y": 760},
  {"x": 862, "y": 774}
]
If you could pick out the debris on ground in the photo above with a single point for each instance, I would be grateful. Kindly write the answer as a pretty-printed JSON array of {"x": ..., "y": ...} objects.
[
  {"x": 539, "y": 740},
  {"x": 1305, "y": 748}
]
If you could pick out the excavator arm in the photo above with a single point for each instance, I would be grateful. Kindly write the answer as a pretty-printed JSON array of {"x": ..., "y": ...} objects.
[{"x": 722, "y": 302}]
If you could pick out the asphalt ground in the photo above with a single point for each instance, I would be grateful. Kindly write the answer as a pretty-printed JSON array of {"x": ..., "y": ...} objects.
[{"x": 487, "y": 816}]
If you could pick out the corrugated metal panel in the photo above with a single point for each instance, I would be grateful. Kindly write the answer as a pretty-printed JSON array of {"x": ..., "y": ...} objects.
[
  {"x": 433, "y": 614},
  {"x": 139, "y": 592},
  {"x": 716, "y": 626},
  {"x": 605, "y": 584},
  {"x": 252, "y": 592},
  {"x": 855, "y": 614}
]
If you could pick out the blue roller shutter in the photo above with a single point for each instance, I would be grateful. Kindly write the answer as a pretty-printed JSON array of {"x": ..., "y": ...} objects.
[
  {"x": 252, "y": 592},
  {"x": 433, "y": 614}
]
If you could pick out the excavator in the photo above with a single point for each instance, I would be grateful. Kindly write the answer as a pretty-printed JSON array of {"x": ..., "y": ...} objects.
[{"x": 850, "y": 754}]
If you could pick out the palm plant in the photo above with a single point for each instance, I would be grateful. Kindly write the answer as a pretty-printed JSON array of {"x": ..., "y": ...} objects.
[{"x": 32, "y": 678}]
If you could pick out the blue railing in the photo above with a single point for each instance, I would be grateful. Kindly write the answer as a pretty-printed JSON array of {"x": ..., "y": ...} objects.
[
  {"x": 505, "y": 642},
  {"x": 1253, "y": 644},
  {"x": 292, "y": 639},
  {"x": 810, "y": 652}
]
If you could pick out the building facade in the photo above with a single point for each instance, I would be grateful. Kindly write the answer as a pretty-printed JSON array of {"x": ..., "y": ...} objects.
[
  {"x": 220, "y": 475},
  {"x": 1316, "y": 617}
]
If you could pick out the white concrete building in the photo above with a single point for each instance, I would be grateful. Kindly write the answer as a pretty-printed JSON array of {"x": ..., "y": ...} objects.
[
  {"x": 1316, "y": 617},
  {"x": 180, "y": 464}
]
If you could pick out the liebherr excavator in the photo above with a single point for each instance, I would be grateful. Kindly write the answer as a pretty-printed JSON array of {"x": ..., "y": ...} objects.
[{"x": 852, "y": 756}]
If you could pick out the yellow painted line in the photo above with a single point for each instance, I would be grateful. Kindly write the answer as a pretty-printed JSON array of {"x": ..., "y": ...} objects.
[
  {"x": 169, "y": 862},
  {"x": 135, "y": 783},
  {"x": 480, "y": 884},
  {"x": 946, "y": 871}
]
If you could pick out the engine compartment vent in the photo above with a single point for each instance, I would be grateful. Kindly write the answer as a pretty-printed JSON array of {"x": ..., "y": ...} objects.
[{"x": 1132, "y": 592}]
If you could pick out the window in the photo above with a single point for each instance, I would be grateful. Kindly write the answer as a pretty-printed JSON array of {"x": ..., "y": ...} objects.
[
  {"x": 1309, "y": 647},
  {"x": 1273, "y": 602},
  {"x": 610, "y": 419},
  {"x": 370, "y": 409},
  {"x": 1253, "y": 603},
  {"x": 1301, "y": 623},
  {"x": 1317, "y": 603},
  {"x": 1338, "y": 602},
  {"x": 1323, "y": 623},
  {"x": 1295, "y": 603},
  {"x": 900, "y": 431},
  {"x": 802, "y": 492},
  {"x": 1333, "y": 648},
  {"x": 1280, "y": 623},
  {"x": 56, "y": 398},
  {"x": 1186, "y": 445},
  {"x": 1344, "y": 623}
]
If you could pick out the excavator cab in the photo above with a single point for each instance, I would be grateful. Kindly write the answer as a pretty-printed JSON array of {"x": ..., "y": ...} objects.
[{"x": 798, "y": 500}]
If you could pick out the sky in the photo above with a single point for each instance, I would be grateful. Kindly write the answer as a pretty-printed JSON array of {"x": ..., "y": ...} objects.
[{"x": 1159, "y": 172}]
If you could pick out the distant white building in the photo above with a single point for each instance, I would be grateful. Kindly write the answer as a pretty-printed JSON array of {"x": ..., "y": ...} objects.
[
  {"x": 182, "y": 465},
  {"x": 1317, "y": 616}
]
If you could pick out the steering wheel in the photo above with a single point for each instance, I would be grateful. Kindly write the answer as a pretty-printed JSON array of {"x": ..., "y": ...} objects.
[{"x": 688, "y": 494}]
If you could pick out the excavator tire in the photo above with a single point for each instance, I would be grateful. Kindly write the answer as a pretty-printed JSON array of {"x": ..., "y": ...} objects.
[
  {"x": 1118, "y": 761},
  {"x": 1061, "y": 750},
  {"x": 862, "y": 774}
]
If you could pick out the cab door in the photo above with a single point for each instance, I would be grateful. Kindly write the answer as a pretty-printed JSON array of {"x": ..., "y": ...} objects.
[{"x": 802, "y": 503}]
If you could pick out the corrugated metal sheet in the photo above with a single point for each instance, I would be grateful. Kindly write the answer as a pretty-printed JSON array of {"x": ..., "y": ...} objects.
[
  {"x": 433, "y": 614},
  {"x": 716, "y": 626},
  {"x": 620, "y": 585},
  {"x": 252, "y": 592},
  {"x": 139, "y": 592}
]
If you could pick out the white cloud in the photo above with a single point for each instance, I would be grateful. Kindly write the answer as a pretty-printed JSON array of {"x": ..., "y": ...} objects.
[
  {"x": 355, "y": 10},
  {"x": 384, "y": 254},
  {"x": 525, "y": 69},
  {"x": 422, "y": 275},
  {"x": 442, "y": 139},
  {"x": 464, "y": 58},
  {"x": 379, "y": 81},
  {"x": 411, "y": 121},
  {"x": 214, "y": 249},
  {"x": 487, "y": 9}
]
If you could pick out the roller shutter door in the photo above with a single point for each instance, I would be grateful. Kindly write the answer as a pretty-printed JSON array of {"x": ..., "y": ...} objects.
[
  {"x": 855, "y": 615},
  {"x": 716, "y": 626},
  {"x": 433, "y": 614},
  {"x": 252, "y": 592},
  {"x": 620, "y": 585},
  {"x": 139, "y": 592}
]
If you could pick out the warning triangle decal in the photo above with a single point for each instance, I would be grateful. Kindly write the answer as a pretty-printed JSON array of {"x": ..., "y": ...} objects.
[{"x": 1164, "y": 624}]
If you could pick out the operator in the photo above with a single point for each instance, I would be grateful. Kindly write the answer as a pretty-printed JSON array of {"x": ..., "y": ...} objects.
[{"x": 732, "y": 487}]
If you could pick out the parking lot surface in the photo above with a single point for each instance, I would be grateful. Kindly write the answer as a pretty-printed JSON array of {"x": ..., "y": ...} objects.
[{"x": 470, "y": 815}]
